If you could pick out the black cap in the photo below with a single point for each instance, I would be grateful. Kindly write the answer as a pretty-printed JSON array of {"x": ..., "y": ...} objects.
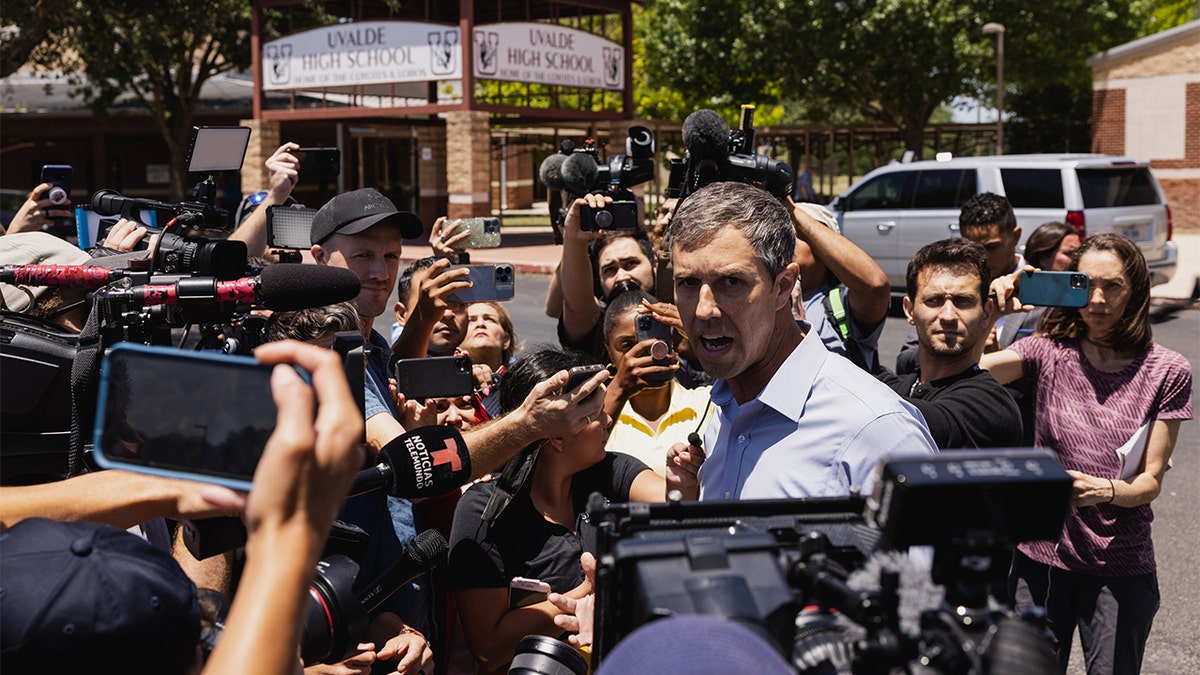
[{"x": 355, "y": 211}]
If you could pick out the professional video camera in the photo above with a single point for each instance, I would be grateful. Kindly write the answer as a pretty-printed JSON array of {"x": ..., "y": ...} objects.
[
  {"x": 715, "y": 153},
  {"x": 784, "y": 568},
  {"x": 581, "y": 171}
]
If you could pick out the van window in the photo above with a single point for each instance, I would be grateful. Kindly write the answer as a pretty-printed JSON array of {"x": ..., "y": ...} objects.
[
  {"x": 882, "y": 192},
  {"x": 944, "y": 188},
  {"x": 1122, "y": 186},
  {"x": 1033, "y": 188}
]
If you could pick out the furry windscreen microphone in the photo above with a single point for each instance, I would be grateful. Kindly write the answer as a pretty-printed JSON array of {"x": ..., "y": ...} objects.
[
  {"x": 705, "y": 135},
  {"x": 579, "y": 172},
  {"x": 290, "y": 286},
  {"x": 550, "y": 172}
]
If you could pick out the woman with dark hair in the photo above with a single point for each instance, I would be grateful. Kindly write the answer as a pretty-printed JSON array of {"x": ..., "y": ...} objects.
[
  {"x": 1051, "y": 245},
  {"x": 530, "y": 522},
  {"x": 1110, "y": 402}
]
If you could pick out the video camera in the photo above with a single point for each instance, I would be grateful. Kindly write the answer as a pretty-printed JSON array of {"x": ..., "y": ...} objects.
[
  {"x": 581, "y": 171},
  {"x": 786, "y": 568},
  {"x": 716, "y": 153}
]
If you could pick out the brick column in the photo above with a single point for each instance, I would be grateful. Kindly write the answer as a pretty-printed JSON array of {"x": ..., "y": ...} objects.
[
  {"x": 468, "y": 164},
  {"x": 431, "y": 174},
  {"x": 264, "y": 140}
]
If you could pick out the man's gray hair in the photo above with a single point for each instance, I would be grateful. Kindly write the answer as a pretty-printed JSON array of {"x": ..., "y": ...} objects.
[{"x": 762, "y": 218}]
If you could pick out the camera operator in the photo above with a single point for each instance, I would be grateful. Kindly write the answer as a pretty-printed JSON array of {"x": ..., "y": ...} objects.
[
  {"x": 794, "y": 419},
  {"x": 38, "y": 212}
]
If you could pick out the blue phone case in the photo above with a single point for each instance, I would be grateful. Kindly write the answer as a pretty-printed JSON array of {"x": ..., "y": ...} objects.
[
  {"x": 1054, "y": 289},
  {"x": 188, "y": 410}
]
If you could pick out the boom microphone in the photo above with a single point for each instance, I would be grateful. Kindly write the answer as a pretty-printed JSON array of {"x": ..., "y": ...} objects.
[
  {"x": 281, "y": 287},
  {"x": 705, "y": 135},
  {"x": 112, "y": 203},
  {"x": 425, "y": 462},
  {"x": 68, "y": 276},
  {"x": 579, "y": 172},
  {"x": 550, "y": 172}
]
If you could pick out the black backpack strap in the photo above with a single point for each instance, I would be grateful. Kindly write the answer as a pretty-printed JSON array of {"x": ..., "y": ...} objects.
[{"x": 84, "y": 380}]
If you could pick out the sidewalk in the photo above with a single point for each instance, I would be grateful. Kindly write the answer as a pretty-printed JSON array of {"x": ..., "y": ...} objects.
[{"x": 532, "y": 250}]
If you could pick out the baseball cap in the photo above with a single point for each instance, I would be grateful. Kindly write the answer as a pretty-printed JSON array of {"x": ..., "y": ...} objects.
[
  {"x": 355, "y": 211},
  {"x": 35, "y": 248},
  {"x": 87, "y": 593}
]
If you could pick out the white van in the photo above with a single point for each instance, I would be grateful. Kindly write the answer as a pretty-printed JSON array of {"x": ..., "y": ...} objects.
[{"x": 896, "y": 209}]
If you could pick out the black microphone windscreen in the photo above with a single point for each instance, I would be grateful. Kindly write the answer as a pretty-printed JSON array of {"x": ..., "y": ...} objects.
[
  {"x": 427, "y": 462},
  {"x": 705, "y": 135},
  {"x": 428, "y": 550},
  {"x": 579, "y": 172},
  {"x": 285, "y": 287},
  {"x": 694, "y": 440},
  {"x": 550, "y": 172}
]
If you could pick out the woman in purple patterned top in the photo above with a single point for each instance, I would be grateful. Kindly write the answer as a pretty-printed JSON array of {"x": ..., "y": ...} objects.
[{"x": 1109, "y": 403}]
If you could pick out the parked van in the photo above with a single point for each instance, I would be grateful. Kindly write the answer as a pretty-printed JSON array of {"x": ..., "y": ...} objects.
[{"x": 896, "y": 209}]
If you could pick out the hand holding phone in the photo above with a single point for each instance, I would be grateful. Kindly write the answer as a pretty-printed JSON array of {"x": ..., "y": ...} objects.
[
  {"x": 58, "y": 177},
  {"x": 489, "y": 283},
  {"x": 434, "y": 377},
  {"x": 523, "y": 592},
  {"x": 319, "y": 162},
  {"x": 649, "y": 328},
  {"x": 484, "y": 233},
  {"x": 1054, "y": 289}
]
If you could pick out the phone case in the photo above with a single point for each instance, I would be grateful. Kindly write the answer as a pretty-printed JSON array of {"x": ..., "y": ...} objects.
[
  {"x": 615, "y": 216},
  {"x": 649, "y": 328},
  {"x": 580, "y": 374},
  {"x": 1054, "y": 289},
  {"x": 523, "y": 592},
  {"x": 59, "y": 177},
  {"x": 319, "y": 162},
  {"x": 485, "y": 233},
  {"x": 179, "y": 452},
  {"x": 489, "y": 283},
  {"x": 434, "y": 377}
]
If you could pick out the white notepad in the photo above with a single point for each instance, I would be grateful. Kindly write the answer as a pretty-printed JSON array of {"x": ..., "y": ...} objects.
[{"x": 1133, "y": 453}]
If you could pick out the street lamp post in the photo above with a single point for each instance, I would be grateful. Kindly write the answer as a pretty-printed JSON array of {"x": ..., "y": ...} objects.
[{"x": 998, "y": 29}]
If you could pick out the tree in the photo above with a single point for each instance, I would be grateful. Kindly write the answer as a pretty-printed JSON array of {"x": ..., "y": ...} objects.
[{"x": 159, "y": 52}]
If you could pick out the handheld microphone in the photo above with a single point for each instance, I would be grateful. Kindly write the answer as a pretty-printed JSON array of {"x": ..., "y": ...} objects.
[
  {"x": 281, "y": 287},
  {"x": 69, "y": 276},
  {"x": 426, "y": 552},
  {"x": 425, "y": 462},
  {"x": 579, "y": 173},
  {"x": 694, "y": 440},
  {"x": 550, "y": 172}
]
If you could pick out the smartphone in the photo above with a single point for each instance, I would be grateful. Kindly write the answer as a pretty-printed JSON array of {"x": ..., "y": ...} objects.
[
  {"x": 489, "y": 283},
  {"x": 319, "y": 162},
  {"x": 182, "y": 414},
  {"x": 485, "y": 233},
  {"x": 59, "y": 177},
  {"x": 524, "y": 592},
  {"x": 580, "y": 374},
  {"x": 649, "y": 328},
  {"x": 614, "y": 216},
  {"x": 434, "y": 377},
  {"x": 1054, "y": 289}
]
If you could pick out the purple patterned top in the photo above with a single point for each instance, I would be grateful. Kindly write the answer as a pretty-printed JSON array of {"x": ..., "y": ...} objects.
[{"x": 1084, "y": 415}]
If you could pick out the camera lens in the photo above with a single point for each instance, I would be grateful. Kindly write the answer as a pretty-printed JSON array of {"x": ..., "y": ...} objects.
[
  {"x": 1078, "y": 281},
  {"x": 604, "y": 218},
  {"x": 541, "y": 655}
]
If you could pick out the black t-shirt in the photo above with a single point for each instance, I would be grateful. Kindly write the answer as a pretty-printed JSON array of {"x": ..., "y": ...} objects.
[
  {"x": 523, "y": 543},
  {"x": 968, "y": 410}
]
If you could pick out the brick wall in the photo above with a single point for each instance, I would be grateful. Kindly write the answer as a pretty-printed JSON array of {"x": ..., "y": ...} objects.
[
  {"x": 1108, "y": 121},
  {"x": 468, "y": 161}
]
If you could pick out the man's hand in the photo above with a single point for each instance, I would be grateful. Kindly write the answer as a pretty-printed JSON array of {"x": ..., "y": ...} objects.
[
  {"x": 436, "y": 285},
  {"x": 1004, "y": 291},
  {"x": 126, "y": 235},
  {"x": 571, "y": 231},
  {"x": 683, "y": 467},
  {"x": 412, "y": 652},
  {"x": 548, "y": 412},
  {"x": 577, "y": 615},
  {"x": 283, "y": 172},
  {"x": 38, "y": 212}
]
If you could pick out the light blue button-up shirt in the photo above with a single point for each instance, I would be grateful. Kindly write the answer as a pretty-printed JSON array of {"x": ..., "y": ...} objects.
[{"x": 817, "y": 429}]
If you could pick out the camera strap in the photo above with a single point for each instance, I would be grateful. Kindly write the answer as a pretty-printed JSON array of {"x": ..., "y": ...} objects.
[{"x": 84, "y": 388}]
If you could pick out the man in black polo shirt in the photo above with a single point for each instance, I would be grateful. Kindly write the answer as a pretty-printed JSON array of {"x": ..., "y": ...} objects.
[{"x": 947, "y": 304}]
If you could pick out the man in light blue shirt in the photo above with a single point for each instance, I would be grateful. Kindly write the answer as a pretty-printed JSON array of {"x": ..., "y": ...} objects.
[{"x": 794, "y": 420}]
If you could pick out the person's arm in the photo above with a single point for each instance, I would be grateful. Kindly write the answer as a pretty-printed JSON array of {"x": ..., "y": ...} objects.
[
  {"x": 648, "y": 486},
  {"x": 554, "y": 298},
  {"x": 299, "y": 485},
  {"x": 443, "y": 247},
  {"x": 580, "y": 309},
  {"x": 38, "y": 212},
  {"x": 492, "y": 630},
  {"x": 433, "y": 290},
  {"x": 972, "y": 415},
  {"x": 576, "y": 613},
  {"x": 402, "y": 644},
  {"x": 114, "y": 497},
  {"x": 283, "y": 172},
  {"x": 865, "y": 279},
  {"x": 1144, "y": 487}
]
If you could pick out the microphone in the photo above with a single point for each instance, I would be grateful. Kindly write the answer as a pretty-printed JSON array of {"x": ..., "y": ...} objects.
[
  {"x": 425, "y": 552},
  {"x": 425, "y": 462},
  {"x": 281, "y": 287},
  {"x": 694, "y": 440},
  {"x": 112, "y": 203},
  {"x": 68, "y": 276},
  {"x": 705, "y": 135},
  {"x": 550, "y": 172},
  {"x": 579, "y": 173}
]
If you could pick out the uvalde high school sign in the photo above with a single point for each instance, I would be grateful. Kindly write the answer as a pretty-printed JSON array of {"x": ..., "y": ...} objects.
[{"x": 381, "y": 52}]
